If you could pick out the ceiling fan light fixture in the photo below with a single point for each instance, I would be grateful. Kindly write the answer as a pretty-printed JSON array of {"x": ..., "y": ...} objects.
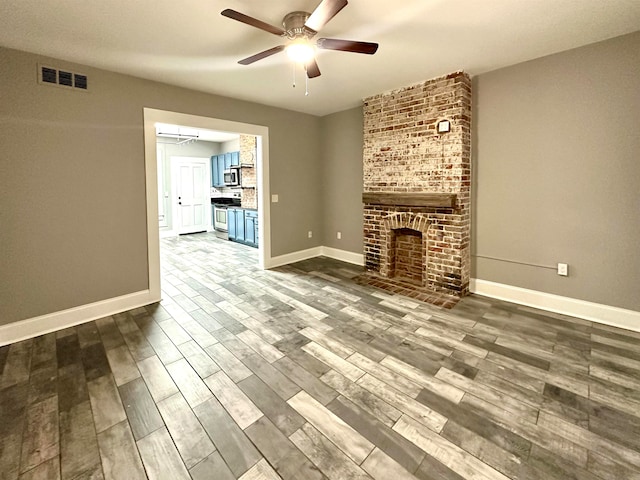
[
  {"x": 298, "y": 29},
  {"x": 301, "y": 51}
]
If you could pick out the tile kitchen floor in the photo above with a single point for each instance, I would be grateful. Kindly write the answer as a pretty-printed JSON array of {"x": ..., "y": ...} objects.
[{"x": 301, "y": 373}]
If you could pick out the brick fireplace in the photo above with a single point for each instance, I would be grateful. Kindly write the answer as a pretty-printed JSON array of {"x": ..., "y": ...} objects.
[{"x": 417, "y": 189}]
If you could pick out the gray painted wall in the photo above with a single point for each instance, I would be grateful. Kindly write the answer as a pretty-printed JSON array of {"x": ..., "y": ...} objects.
[
  {"x": 556, "y": 178},
  {"x": 557, "y": 173},
  {"x": 342, "y": 180},
  {"x": 72, "y": 185},
  {"x": 555, "y": 169}
]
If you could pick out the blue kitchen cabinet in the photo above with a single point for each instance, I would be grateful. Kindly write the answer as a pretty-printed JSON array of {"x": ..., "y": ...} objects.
[
  {"x": 231, "y": 223},
  {"x": 220, "y": 163},
  {"x": 242, "y": 226},
  {"x": 235, "y": 224},
  {"x": 215, "y": 174},
  {"x": 240, "y": 234},
  {"x": 251, "y": 227},
  {"x": 256, "y": 229},
  {"x": 221, "y": 169},
  {"x": 217, "y": 170}
]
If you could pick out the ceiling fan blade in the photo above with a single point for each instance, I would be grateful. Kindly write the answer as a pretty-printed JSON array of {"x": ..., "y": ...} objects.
[
  {"x": 347, "y": 45},
  {"x": 324, "y": 12},
  {"x": 312, "y": 69},
  {"x": 241, "y": 17},
  {"x": 261, "y": 55}
]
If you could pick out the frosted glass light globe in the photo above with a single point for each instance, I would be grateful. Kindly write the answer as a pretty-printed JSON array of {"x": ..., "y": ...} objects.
[{"x": 300, "y": 51}]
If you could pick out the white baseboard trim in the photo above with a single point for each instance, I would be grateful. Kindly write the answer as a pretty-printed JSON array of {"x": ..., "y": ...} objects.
[
  {"x": 344, "y": 255},
  {"x": 33, "y": 327},
  {"x": 595, "y": 312},
  {"x": 294, "y": 257},
  {"x": 335, "y": 253}
]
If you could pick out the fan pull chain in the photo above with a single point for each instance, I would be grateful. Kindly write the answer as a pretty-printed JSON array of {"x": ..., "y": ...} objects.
[
  {"x": 294, "y": 75},
  {"x": 306, "y": 80}
]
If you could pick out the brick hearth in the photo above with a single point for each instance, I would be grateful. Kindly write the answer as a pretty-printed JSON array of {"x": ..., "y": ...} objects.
[{"x": 417, "y": 189}]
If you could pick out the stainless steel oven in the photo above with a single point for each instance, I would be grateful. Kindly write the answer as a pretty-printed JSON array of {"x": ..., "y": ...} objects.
[{"x": 220, "y": 217}]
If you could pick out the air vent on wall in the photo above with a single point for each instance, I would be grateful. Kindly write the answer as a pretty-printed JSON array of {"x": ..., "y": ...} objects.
[
  {"x": 51, "y": 76},
  {"x": 80, "y": 81},
  {"x": 64, "y": 78}
]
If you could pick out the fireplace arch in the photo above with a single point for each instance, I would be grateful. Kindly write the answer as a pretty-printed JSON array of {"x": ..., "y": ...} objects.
[{"x": 404, "y": 249}]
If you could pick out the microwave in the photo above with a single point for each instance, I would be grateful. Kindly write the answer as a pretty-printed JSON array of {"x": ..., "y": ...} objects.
[{"x": 232, "y": 177}]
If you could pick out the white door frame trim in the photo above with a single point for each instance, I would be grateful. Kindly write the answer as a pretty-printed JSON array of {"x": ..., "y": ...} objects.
[{"x": 153, "y": 116}]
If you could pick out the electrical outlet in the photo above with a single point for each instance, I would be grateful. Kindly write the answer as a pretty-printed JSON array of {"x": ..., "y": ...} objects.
[
  {"x": 563, "y": 269},
  {"x": 339, "y": 235},
  {"x": 310, "y": 234},
  {"x": 274, "y": 198}
]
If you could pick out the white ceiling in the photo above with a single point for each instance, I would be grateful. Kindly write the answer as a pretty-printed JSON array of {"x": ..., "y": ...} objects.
[{"x": 188, "y": 43}]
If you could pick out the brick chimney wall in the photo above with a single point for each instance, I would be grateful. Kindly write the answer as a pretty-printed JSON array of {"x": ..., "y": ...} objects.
[
  {"x": 404, "y": 153},
  {"x": 248, "y": 175}
]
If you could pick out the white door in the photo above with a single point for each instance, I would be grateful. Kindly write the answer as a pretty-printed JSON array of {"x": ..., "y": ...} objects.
[{"x": 192, "y": 202}]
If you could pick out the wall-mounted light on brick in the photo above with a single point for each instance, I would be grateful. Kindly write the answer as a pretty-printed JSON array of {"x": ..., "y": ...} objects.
[{"x": 444, "y": 126}]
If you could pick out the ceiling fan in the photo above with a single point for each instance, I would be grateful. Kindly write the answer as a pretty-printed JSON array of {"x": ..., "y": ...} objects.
[{"x": 299, "y": 29}]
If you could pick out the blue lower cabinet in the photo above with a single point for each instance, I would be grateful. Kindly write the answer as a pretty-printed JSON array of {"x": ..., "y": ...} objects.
[
  {"x": 240, "y": 235},
  {"x": 251, "y": 227},
  {"x": 243, "y": 226},
  {"x": 231, "y": 223}
]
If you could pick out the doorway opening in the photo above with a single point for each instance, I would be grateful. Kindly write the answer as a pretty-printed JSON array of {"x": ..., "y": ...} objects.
[
  {"x": 155, "y": 204},
  {"x": 192, "y": 192}
]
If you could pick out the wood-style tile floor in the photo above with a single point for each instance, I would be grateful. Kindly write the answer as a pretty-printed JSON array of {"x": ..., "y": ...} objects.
[{"x": 299, "y": 373}]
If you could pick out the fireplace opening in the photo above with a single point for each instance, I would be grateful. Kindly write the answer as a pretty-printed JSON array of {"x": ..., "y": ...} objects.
[{"x": 408, "y": 256}]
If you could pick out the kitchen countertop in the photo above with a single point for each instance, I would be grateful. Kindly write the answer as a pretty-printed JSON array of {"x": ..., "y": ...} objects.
[
  {"x": 230, "y": 201},
  {"x": 244, "y": 208}
]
